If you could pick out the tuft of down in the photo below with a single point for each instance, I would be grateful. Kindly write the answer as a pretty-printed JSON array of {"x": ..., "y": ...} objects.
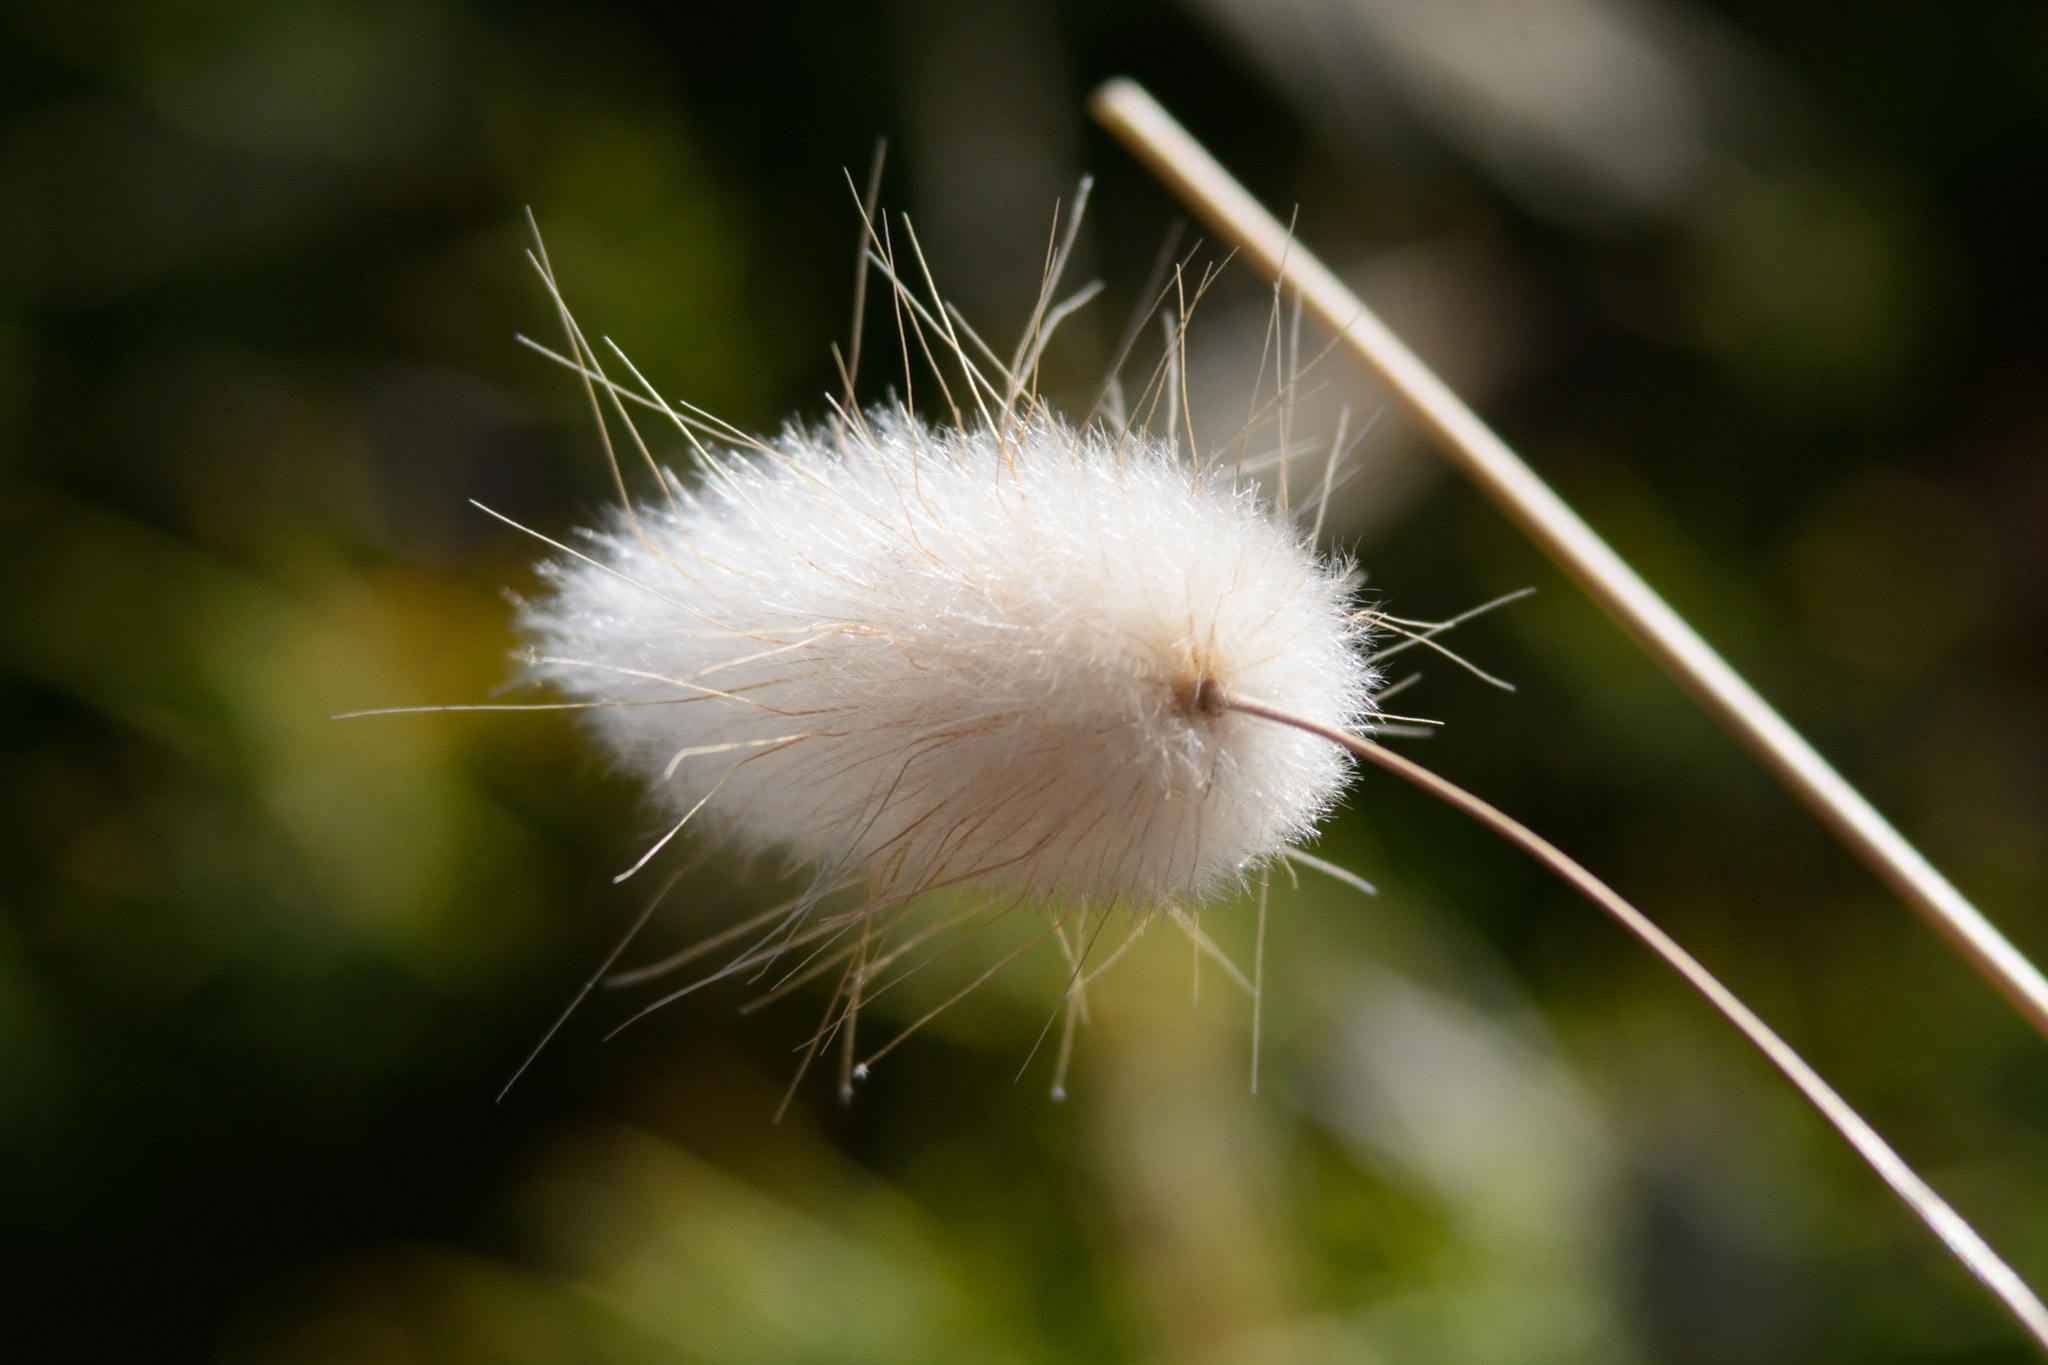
[{"x": 921, "y": 657}]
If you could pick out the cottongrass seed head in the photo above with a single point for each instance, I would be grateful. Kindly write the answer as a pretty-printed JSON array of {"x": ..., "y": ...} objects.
[
  {"x": 1004, "y": 658},
  {"x": 991, "y": 654}
]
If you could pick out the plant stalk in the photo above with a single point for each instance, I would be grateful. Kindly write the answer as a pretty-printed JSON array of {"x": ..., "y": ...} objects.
[
  {"x": 1954, "y": 1231},
  {"x": 1127, "y": 110}
]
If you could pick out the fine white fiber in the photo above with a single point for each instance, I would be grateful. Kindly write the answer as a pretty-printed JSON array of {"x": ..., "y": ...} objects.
[{"x": 991, "y": 654}]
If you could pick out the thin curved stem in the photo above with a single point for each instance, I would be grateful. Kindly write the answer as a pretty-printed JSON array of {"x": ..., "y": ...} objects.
[{"x": 1960, "y": 1238}]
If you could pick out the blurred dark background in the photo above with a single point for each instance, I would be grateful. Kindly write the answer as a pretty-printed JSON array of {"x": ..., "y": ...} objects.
[{"x": 1758, "y": 286}]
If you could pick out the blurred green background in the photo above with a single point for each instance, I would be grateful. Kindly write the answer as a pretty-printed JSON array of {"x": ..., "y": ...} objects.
[{"x": 1758, "y": 286}]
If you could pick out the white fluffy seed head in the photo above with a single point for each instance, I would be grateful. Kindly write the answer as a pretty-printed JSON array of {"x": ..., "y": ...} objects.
[{"x": 921, "y": 657}]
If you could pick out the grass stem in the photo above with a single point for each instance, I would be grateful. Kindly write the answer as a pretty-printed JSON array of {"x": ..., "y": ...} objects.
[
  {"x": 1128, "y": 111},
  {"x": 1955, "y": 1233}
]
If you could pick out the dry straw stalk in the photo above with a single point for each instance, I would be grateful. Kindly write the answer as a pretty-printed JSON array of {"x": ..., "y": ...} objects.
[{"x": 1127, "y": 110}]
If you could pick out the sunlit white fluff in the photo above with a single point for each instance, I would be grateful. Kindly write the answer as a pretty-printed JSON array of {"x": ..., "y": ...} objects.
[{"x": 920, "y": 657}]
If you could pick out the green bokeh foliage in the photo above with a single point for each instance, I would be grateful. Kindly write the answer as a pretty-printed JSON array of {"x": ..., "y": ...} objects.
[{"x": 262, "y": 972}]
